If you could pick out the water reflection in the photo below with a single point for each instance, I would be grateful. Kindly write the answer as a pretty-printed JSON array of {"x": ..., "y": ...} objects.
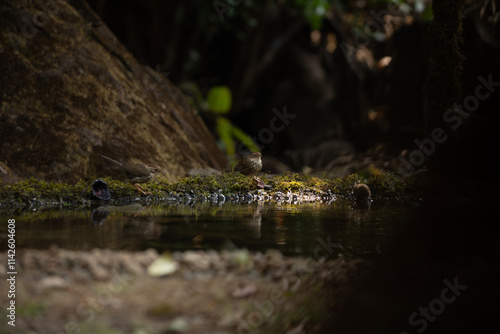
[
  {"x": 292, "y": 228},
  {"x": 253, "y": 220},
  {"x": 360, "y": 212}
]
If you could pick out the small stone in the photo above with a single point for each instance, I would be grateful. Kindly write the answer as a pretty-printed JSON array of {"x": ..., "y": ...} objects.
[
  {"x": 52, "y": 282},
  {"x": 244, "y": 291},
  {"x": 196, "y": 260},
  {"x": 163, "y": 265}
]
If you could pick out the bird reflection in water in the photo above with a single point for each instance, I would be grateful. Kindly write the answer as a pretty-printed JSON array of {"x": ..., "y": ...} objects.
[
  {"x": 253, "y": 221},
  {"x": 281, "y": 230}
]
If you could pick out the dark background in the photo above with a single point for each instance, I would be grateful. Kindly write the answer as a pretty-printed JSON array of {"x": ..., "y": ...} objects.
[{"x": 327, "y": 67}]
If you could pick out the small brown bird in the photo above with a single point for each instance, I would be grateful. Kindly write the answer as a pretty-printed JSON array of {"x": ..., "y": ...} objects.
[
  {"x": 136, "y": 173},
  {"x": 250, "y": 166},
  {"x": 361, "y": 192}
]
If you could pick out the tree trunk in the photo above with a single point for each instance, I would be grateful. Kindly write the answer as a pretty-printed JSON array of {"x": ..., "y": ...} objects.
[
  {"x": 443, "y": 85},
  {"x": 443, "y": 90}
]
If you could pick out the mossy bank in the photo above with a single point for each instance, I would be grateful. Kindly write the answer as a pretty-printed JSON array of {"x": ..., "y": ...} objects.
[{"x": 33, "y": 193}]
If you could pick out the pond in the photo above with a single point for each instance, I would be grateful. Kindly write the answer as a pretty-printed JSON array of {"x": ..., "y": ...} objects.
[
  {"x": 410, "y": 254},
  {"x": 339, "y": 227}
]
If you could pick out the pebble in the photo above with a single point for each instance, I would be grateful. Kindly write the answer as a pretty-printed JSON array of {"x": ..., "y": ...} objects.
[
  {"x": 52, "y": 282},
  {"x": 58, "y": 268}
]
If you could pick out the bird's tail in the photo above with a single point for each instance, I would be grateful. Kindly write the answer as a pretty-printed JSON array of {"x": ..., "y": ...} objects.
[{"x": 111, "y": 160}]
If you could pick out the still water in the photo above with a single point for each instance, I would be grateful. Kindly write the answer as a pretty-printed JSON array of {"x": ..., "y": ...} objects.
[{"x": 340, "y": 227}]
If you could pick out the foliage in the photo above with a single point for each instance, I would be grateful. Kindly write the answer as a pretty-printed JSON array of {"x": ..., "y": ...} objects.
[
  {"x": 219, "y": 101},
  {"x": 314, "y": 11},
  {"x": 229, "y": 133}
]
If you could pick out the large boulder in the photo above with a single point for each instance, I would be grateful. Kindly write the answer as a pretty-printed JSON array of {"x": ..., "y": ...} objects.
[{"x": 70, "y": 92}]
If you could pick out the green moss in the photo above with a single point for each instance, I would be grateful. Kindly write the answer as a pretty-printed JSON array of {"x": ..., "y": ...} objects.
[
  {"x": 31, "y": 309},
  {"x": 161, "y": 310},
  {"x": 204, "y": 185},
  {"x": 33, "y": 192},
  {"x": 294, "y": 182}
]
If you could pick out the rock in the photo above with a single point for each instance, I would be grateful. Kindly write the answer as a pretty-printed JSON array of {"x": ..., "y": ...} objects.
[
  {"x": 203, "y": 172},
  {"x": 7, "y": 176},
  {"x": 100, "y": 190},
  {"x": 71, "y": 92},
  {"x": 162, "y": 266},
  {"x": 196, "y": 260},
  {"x": 52, "y": 282},
  {"x": 244, "y": 291},
  {"x": 94, "y": 267}
]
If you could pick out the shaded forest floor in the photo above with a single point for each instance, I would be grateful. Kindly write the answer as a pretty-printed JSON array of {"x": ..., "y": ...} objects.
[{"x": 102, "y": 291}]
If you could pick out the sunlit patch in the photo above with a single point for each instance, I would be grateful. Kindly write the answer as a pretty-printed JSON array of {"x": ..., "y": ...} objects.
[
  {"x": 315, "y": 37},
  {"x": 384, "y": 62},
  {"x": 331, "y": 42}
]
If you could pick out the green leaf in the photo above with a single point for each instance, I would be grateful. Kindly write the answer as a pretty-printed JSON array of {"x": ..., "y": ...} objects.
[
  {"x": 427, "y": 14},
  {"x": 224, "y": 129},
  {"x": 227, "y": 133},
  {"x": 314, "y": 11},
  {"x": 219, "y": 99}
]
